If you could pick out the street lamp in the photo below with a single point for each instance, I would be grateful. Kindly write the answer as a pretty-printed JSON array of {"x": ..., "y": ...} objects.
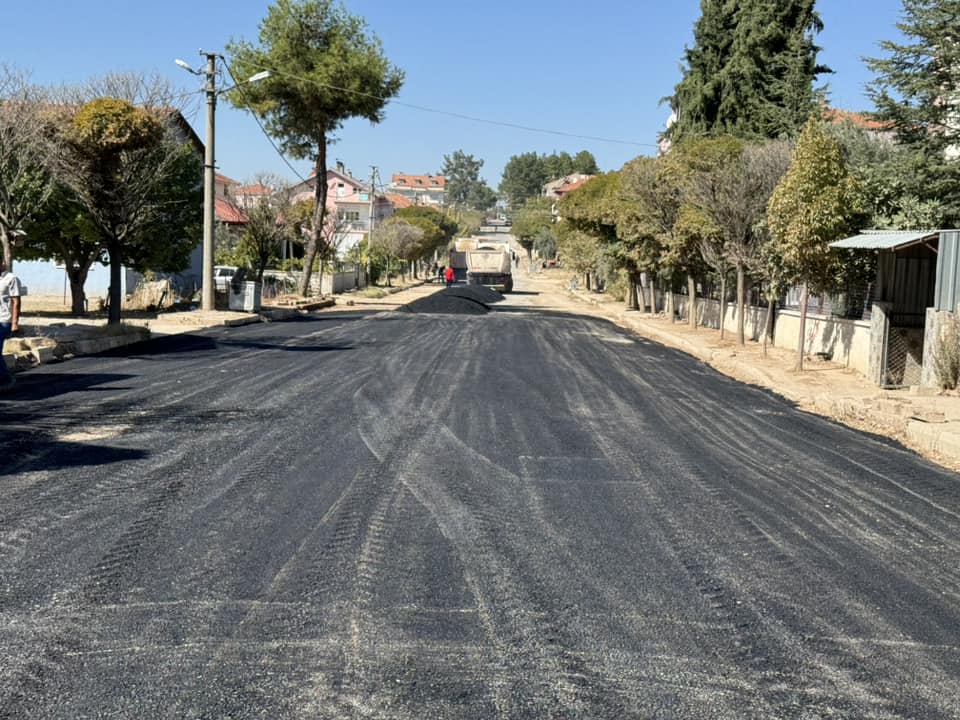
[{"x": 209, "y": 167}]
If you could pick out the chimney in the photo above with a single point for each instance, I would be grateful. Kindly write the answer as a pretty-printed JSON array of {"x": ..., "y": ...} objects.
[{"x": 340, "y": 168}]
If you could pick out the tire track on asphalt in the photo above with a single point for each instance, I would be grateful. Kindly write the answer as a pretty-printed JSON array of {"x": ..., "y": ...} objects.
[
  {"x": 521, "y": 629},
  {"x": 847, "y": 671},
  {"x": 771, "y": 666},
  {"x": 165, "y": 388},
  {"x": 103, "y": 583}
]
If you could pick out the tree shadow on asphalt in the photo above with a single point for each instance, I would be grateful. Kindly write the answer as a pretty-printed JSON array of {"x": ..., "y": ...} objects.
[
  {"x": 31, "y": 451},
  {"x": 189, "y": 343},
  {"x": 35, "y": 386},
  {"x": 28, "y": 440}
]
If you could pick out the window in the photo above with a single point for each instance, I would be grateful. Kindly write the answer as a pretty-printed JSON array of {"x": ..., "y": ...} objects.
[
  {"x": 341, "y": 191},
  {"x": 350, "y": 215}
]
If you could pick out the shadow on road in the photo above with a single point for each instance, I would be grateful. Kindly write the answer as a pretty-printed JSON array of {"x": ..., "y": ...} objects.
[
  {"x": 30, "y": 451},
  {"x": 34, "y": 386}
]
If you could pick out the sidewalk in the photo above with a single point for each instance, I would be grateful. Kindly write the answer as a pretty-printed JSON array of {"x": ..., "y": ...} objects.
[{"x": 927, "y": 422}]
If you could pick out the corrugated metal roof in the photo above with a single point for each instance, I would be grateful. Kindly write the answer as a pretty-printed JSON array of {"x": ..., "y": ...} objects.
[{"x": 885, "y": 239}]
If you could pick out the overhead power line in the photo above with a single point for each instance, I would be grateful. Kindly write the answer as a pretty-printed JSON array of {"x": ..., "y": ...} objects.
[{"x": 461, "y": 116}]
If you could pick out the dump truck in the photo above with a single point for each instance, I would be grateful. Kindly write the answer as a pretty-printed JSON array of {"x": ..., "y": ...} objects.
[
  {"x": 490, "y": 265},
  {"x": 458, "y": 257}
]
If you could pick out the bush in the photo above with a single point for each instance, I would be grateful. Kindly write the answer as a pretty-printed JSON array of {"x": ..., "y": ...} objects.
[
  {"x": 946, "y": 355},
  {"x": 372, "y": 292},
  {"x": 617, "y": 284}
]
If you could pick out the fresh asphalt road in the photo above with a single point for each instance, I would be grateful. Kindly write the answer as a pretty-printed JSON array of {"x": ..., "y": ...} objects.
[{"x": 519, "y": 514}]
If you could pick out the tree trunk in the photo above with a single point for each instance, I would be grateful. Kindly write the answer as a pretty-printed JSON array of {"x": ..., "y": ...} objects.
[
  {"x": 741, "y": 303},
  {"x": 322, "y": 268},
  {"x": 116, "y": 292},
  {"x": 78, "y": 298},
  {"x": 723, "y": 303},
  {"x": 632, "y": 302},
  {"x": 768, "y": 326},
  {"x": 319, "y": 215},
  {"x": 653, "y": 295},
  {"x": 692, "y": 301},
  {"x": 586, "y": 281},
  {"x": 7, "y": 249},
  {"x": 803, "y": 327}
]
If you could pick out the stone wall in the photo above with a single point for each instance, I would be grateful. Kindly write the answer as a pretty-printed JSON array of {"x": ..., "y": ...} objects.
[{"x": 935, "y": 329}]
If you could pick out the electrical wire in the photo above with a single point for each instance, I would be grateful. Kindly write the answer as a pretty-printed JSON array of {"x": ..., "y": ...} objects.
[
  {"x": 448, "y": 113},
  {"x": 239, "y": 87}
]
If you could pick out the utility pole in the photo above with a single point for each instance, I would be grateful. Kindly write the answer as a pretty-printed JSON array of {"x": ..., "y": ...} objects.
[
  {"x": 209, "y": 186},
  {"x": 373, "y": 207},
  {"x": 208, "y": 289}
]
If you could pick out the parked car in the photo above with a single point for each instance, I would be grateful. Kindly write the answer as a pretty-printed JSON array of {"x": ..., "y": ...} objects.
[{"x": 222, "y": 275}]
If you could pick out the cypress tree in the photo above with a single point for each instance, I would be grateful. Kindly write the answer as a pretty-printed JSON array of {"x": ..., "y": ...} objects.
[{"x": 751, "y": 70}]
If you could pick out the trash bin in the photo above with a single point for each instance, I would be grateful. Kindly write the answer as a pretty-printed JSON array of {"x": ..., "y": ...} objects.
[{"x": 245, "y": 296}]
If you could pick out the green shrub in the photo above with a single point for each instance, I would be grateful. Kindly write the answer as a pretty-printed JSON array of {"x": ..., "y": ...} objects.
[{"x": 372, "y": 292}]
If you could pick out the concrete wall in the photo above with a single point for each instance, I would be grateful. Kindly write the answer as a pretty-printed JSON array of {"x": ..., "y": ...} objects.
[
  {"x": 45, "y": 277},
  {"x": 334, "y": 283},
  {"x": 708, "y": 315},
  {"x": 846, "y": 341}
]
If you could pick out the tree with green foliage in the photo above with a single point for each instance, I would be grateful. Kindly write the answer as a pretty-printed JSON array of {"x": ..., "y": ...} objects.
[
  {"x": 65, "y": 232},
  {"x": 139, "y": 184},
  {"x": 545, "y": 244},
  {"x": 892, "y": 176},
  {"x": 657, "y": 196},
  {"x": 597, "y": 209},
  {"x": 916, "y": 91},
  {"x": 25, "y": 154},
  {"x": 395, "y": 240},
  {"x": 556, "y": 165},
  {"x": 579, "y": 252},
  {"x": 482, "y": 197},
  {"x": 438, "y": 229},
  {"x": 523, "y": 177},
  {"x": 464, "y": 187},
  {"x": 732, "y": 192},
  {"x": 817, "y": 202},
  {"x": 264, "y": 234},
  {"x": 325, "y": 68},
  {"x": 535, "y": 215},
  {"x": 585, "y": 163},
  {"x": 638, "y": 224},
  {"x": 751, "y": 70}
]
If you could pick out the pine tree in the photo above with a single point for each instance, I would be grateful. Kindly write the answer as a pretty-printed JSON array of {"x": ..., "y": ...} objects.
[
  {"x": 751, "y": 71},
  {"x": 697, "y": 97},
  {"x": 917, "y": 91}
]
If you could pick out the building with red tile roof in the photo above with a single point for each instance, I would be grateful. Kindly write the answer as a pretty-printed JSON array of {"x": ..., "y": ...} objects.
[
  {"x": 561, "y": 186},
  {"x": 399, "y": 201},
  {"x": 419, "y": 189}
]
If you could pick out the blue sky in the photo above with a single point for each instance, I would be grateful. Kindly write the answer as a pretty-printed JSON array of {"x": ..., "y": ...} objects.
[{"x": 588, "y": 69}]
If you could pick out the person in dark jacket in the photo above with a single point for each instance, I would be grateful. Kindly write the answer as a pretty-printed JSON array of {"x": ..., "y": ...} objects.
[{"x": 448, "y": 275}]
